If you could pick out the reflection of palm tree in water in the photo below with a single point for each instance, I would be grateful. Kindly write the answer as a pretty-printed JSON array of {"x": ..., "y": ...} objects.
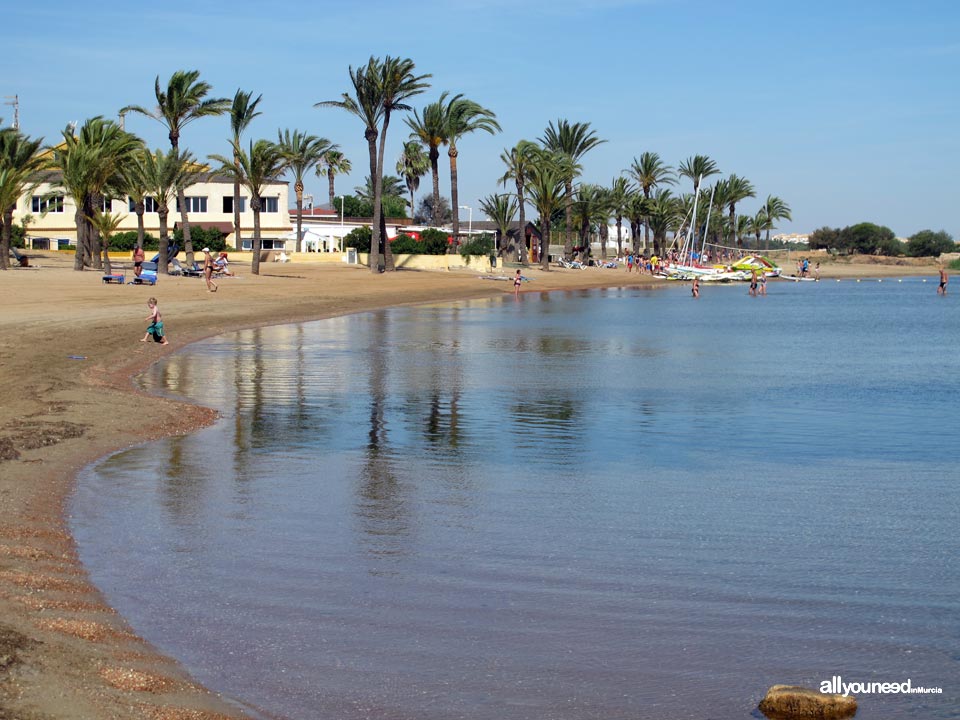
[{"x": 381, "y": 507}]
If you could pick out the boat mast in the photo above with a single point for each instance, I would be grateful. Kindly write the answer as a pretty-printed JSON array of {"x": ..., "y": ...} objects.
[{"x": 706, "y": 230}]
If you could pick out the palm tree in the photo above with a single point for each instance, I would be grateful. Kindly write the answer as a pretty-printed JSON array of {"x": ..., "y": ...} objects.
[
  {"x": 183, "y": 101},
  {"x": 106, "y": 224},
  {"x": 775, "y": 209},
  {"x": 547, "y": 181},
  {"x": 366, "y": 103},
  {"x": 392, "y": 187},
  {"x": 302, "y": 153},
  {"x": 257, "y": 167},
  {"x": 20, "y": 161},
  {"x": 759, "y": 223},
  {"x": 663, "y": 214},
  {"x": 463, "y": 116},
  {"x": 242, "y": 112},
  {"x": 698, "y": 167},
  {"x": 133, "y": 184},
  {"x": 590, "y": 208},
  {"x": 397, "y": 84},
  {"x": 501, "y": 209},
  {"x": 518, "y": 160},
  {"x": 574, "y": 141},
  {"x": 411, "y": 166},
  {"x": 334, "y": 163},
  {"x": 736, "y": 189},
  {"x": 621, "y": 190},
  {"x": 431, "y": 131},
  {"x": 164, "y": 173},
  {"x": 89, "y": 164},
  {"x": 650, "y": 172}
]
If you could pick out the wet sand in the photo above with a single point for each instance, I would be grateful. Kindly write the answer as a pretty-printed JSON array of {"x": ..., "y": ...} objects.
[{"x": 68, "y": 350}]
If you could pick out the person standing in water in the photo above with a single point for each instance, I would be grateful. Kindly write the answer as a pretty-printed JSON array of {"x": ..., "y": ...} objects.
[
  {"x": 516, "y": 283},
  {"x": 942, "y": 290},
  {"x": 696, "y": 287}
]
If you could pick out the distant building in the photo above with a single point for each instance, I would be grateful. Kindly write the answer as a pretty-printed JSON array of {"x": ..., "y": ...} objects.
[
  {"x": 209, "y": 204},
  {"x": 792, "y": 238}
]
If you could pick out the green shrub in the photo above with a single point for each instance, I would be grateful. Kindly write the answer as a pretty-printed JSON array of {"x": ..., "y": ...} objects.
[
  {"x": 954, "y": 264},
  {"x": 202, "y": 237},
  {"x": 406, "y": 245},
  {"x": 18, "y": 236},
  {"x": 928, "y": 243},
  {"x": 434, "y": 242},
  {"x": 477, "y": 247},
  {"x": 128, "y": 240},
  {"x": 359, "y": 238}
]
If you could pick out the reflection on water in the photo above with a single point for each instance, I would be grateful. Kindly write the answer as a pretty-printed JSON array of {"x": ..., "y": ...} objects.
[{"x": 612, "y": 504}]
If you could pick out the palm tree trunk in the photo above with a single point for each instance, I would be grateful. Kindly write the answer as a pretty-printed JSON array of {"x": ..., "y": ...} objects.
[
  {"x": 522, "y": 234},
  {"x": 454, "y": 195},
  {"x": 255, "y": 262},
  {"x": 435, "y": 169},
  {"x": 733, "y": 224},
  {"x": 185, "y": 226},
  {"x": 164, "y": 239},
  {"x": 6, "y": 230},
  {"x": 545, "y": 243},
  {"x": 141, "y": 231},
  {"x": 237, "y": 242},
  {"x": 330, "y": 188},
  {"x": 603, "y": 241},
  {"x": 375, "y": 236},
  {"x": 378, "y": 195},
  {"x": 298, "y": 188},
  {"x": 568, "y": 218}
]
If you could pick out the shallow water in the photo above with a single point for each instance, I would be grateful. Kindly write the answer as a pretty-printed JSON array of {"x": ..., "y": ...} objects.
[{"x": 605, "y": 504}]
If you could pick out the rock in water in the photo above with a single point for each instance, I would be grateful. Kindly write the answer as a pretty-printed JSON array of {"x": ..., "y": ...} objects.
[{"x": 792, "y": 702}]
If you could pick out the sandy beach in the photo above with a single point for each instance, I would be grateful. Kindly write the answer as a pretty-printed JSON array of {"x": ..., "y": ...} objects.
[{"x": 68, "y": 352}]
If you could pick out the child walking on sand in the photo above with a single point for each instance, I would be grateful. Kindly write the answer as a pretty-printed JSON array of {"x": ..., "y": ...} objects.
[{"x": 155, "y": 328}]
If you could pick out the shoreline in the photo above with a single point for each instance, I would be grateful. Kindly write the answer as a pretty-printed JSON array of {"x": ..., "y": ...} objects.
[{"x": 63, "y": 651}]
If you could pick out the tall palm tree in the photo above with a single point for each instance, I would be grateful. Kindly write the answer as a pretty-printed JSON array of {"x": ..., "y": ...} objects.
[
  {"x": 133, "y": 184},
  {"x": 518, "y": 160},
  {"x": 302, "y": 153},
  {"x": 501, "y": 209},
  {"x": 20, "y": 161},
  {"x": 334, "y": 163},
  {"x": 650, "y": 172},
  {"x": 88, "y": 164},
  {"x": 736, "y": 189},
  {"x": 547, "y": 182},
  {"x": 366, "y": 104},
  {"x": 242, "y": 112},
  {"x": 775, "y": 209},
  {"x": 697, "y": 168},
  {"x": 259, "y": 166},
  {"x": 758, "y": 223},
  {"x": 573, "y": 140},
  {"x": 179, "y": 104},
  {"x": 398, "y": 84},
  {"x": 591, "y": 207},
  {"x": 664, "y": 214},
  {"x": 412, "y": 165},
  {"x": 463, "y": 116},
  {"x": 621, "y": 189},
  {"x": 431, "y": 130},
  {"x": 164, "y": 173}
]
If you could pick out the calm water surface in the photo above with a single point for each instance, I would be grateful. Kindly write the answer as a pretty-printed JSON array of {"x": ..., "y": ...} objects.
[{"x": 608, "y": 504}]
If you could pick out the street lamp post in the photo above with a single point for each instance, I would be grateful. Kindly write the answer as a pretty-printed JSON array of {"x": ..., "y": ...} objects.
[
  {"x": 341, "y": 223},
  {"x": 470, "y": 221}
]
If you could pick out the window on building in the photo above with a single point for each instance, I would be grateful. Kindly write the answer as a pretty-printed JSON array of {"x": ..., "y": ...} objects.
[
  {"x": 106, "y": 204},
  {"x": 149, "y": 205},
  {"x": 41, "y": 204},
  {"x": 195, "y": 204},
  {"x": 228, "y": 204},
  {"x": 265, "y": 244},
  {"x": 270, "y": 204}
]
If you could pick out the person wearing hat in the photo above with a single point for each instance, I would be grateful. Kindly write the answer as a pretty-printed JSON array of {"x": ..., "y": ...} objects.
[{"x": 208, "y": 270}]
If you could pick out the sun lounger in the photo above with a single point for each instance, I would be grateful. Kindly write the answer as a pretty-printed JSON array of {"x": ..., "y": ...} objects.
[{"x": 148, "y": 275}]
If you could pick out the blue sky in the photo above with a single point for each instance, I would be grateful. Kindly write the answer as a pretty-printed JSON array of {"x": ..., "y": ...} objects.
[{"x": 847, "y": 110}]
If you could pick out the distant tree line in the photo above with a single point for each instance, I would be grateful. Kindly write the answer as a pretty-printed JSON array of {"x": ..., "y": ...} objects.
[{"x": 869, "y": 239}]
